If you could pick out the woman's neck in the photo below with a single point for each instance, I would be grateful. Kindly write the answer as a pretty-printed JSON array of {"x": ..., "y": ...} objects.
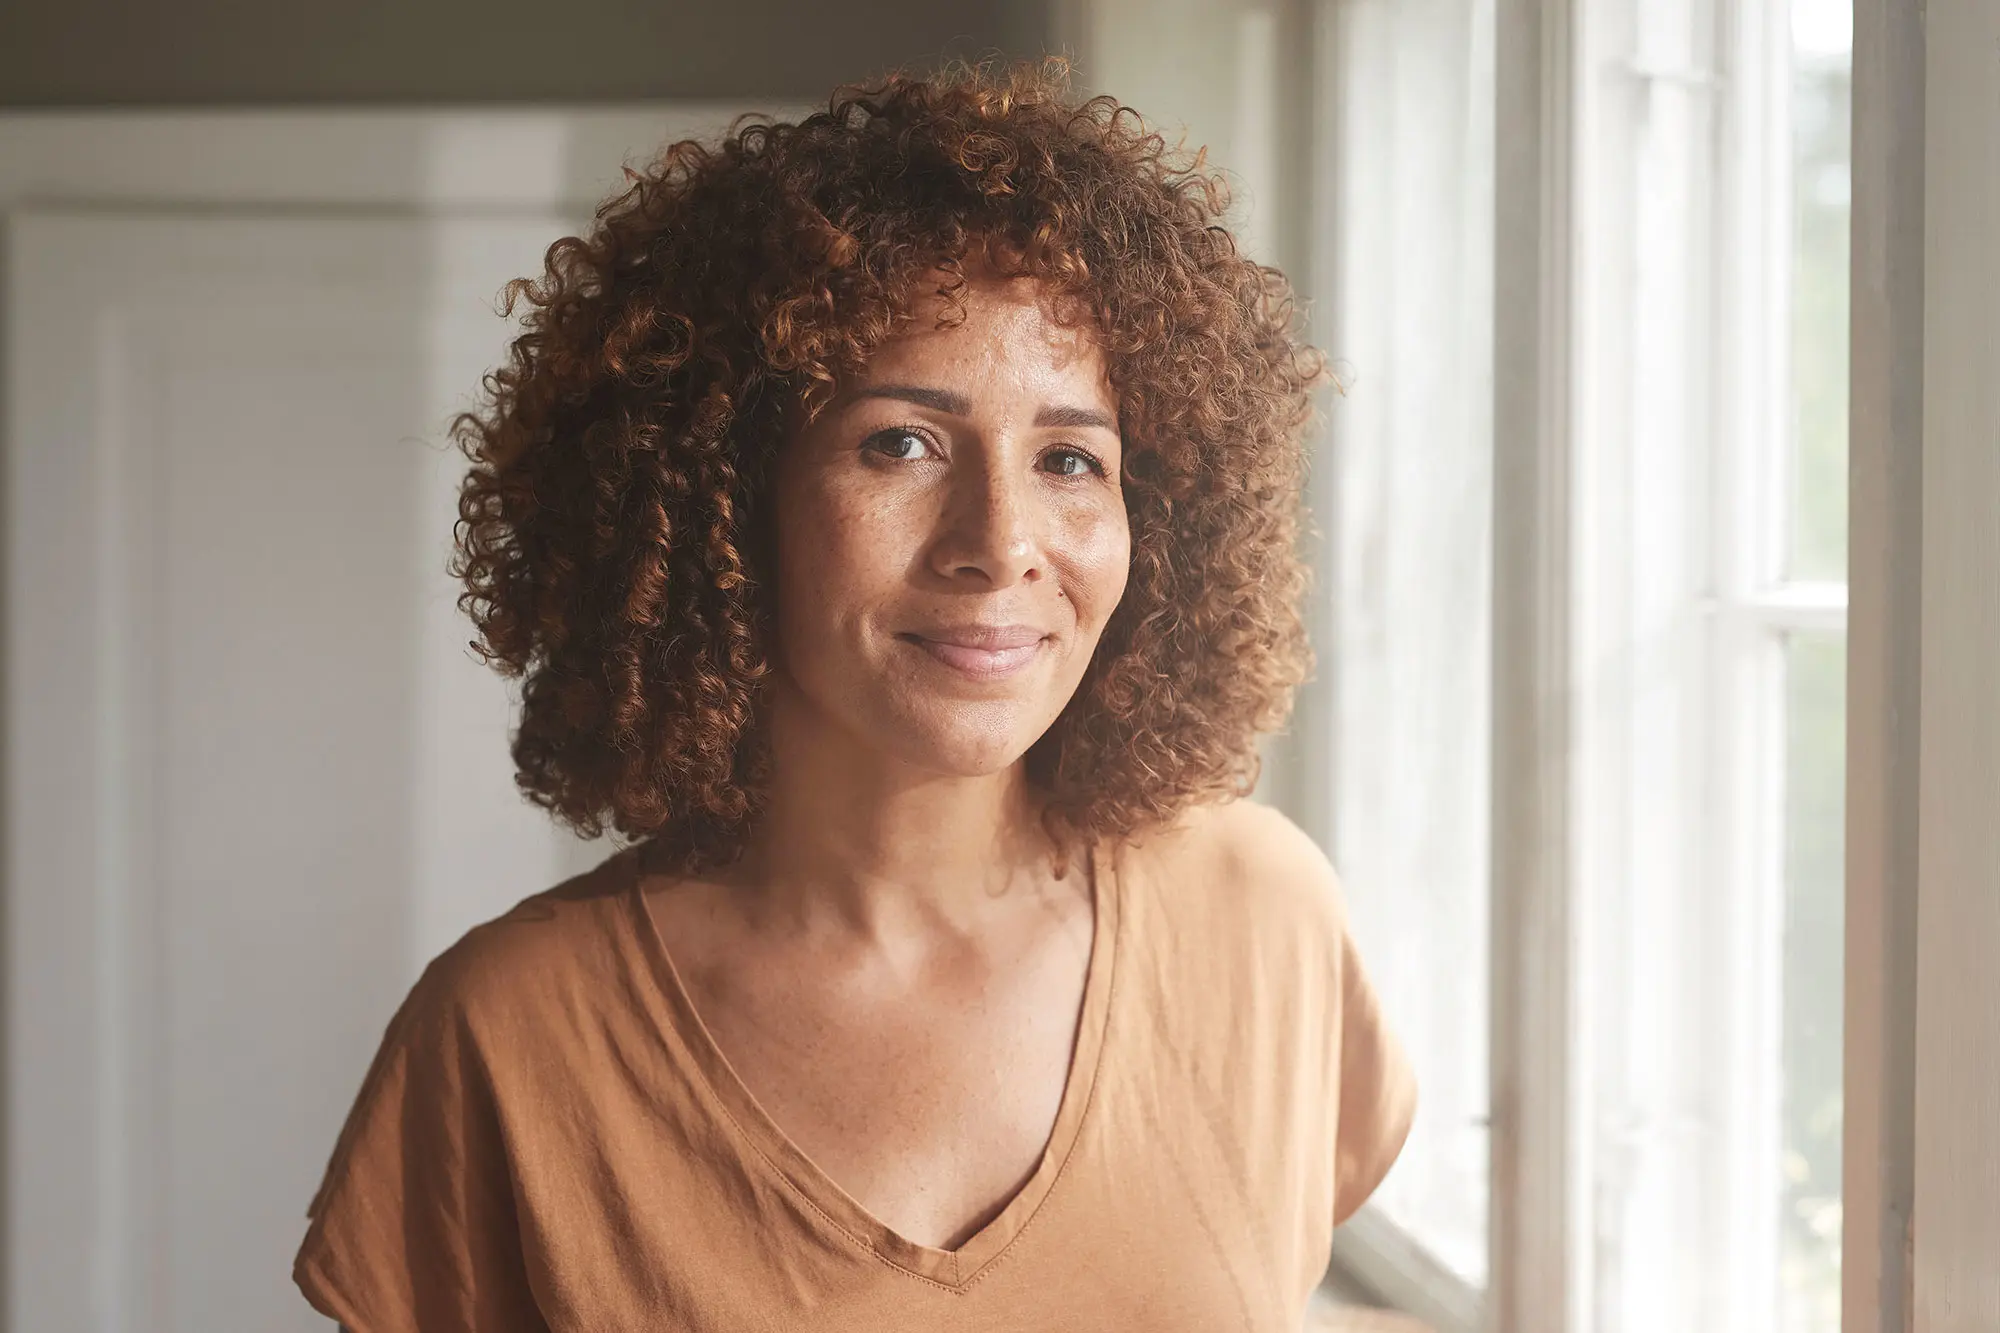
[{"x": 850, "y": 835}]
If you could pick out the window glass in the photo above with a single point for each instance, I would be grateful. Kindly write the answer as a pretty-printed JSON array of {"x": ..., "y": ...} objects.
[
  {"x": 1815, "y": 750},
  {"x": 1814, "y": 905},
  {"x": 1822, "y": 83}
]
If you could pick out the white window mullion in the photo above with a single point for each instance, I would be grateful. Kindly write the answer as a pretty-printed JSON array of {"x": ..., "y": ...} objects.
[
  {"x": 1745, "y": 817},
  {"x": 1751, "y": 500},
  {"x": 1797, "y": 608}
]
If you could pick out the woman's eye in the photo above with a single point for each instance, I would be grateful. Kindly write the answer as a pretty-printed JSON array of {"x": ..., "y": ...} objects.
[
  {"x": 905, "y": 445},
  {"x": 1070, "y": 463}
]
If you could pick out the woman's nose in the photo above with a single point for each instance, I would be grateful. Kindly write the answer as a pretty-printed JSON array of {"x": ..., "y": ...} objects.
[{"x": 990, "y": 532}]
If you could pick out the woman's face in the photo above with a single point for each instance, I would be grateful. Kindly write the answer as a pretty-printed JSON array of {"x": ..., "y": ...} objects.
[{"x": 951, "y": 536}]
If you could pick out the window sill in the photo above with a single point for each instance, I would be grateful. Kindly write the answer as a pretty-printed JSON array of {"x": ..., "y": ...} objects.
[{"x": 1377, "y": 1261}]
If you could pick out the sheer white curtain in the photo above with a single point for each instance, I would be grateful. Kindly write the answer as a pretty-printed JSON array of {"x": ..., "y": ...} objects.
[{"x": 1398, "y": 730}]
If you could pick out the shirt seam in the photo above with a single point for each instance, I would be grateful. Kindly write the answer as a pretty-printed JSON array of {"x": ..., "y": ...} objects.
[{"x": 792, "y": 1187}]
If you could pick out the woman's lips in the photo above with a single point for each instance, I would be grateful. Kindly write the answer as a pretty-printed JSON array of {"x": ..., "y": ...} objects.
[{"x": 986, "y": 652}]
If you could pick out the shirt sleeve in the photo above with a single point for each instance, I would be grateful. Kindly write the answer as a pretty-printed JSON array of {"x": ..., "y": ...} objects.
[
  {"x": 1378, "y": 1091},
  {"x": 414, "y": 1225}
]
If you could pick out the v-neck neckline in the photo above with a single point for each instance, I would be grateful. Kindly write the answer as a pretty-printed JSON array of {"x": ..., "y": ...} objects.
[{"x": 953, "y": 1268}]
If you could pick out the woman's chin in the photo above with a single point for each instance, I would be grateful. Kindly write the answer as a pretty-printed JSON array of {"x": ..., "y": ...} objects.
[{"x": 962, "y": 741}]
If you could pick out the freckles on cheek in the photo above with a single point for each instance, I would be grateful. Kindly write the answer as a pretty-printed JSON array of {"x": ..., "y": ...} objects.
[
  {"x": 802, "y": 538},
  {"x": 843, "y": 551}
]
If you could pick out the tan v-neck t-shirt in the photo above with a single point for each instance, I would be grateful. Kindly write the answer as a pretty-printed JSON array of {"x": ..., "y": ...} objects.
[{"x": 548, "y": 1141}]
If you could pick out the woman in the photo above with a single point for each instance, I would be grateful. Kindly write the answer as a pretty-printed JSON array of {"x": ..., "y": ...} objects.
[{"x": 891, "y": 518}]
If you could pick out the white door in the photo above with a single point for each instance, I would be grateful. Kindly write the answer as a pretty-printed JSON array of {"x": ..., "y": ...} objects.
[{"x": 255, "y": 779}]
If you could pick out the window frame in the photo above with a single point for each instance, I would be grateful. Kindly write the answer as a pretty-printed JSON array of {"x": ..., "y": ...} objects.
[{"x": 1923, "y": 1000}]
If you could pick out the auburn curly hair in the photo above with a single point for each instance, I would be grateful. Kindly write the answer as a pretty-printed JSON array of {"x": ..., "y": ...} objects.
[{"x": 612, "y": 535}]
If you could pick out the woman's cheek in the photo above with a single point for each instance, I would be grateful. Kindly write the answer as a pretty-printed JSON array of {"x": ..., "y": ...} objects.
[
  {"x": 849, "y": 540},
  {"x": 818, "y": 547},
  {"x": 1099, "y": 555},
  {"x": 882, "y": 535}
]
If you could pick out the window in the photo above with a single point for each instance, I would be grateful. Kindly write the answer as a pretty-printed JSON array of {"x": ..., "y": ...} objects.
[{"x": 1706, "y": 375}]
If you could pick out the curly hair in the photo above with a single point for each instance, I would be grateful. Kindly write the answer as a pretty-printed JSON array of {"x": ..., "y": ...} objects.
[{"x": 613, "y": 539}]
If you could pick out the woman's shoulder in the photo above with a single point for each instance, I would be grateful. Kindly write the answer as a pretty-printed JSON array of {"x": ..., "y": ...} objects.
[
  {"x": 492, "y": 1040},
  {"x": 1244, "y": 858},
  {"x": 555, "y": 941}
]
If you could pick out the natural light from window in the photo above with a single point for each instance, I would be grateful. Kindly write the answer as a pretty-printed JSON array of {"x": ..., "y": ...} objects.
[{"x": 1822, "y": 66}]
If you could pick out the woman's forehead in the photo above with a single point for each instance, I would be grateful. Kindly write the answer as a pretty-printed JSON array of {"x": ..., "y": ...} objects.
[{"x": 988, "y": 324}]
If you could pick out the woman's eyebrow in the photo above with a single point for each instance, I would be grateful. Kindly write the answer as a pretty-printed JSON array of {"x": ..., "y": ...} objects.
[
  {"x": 958, "y": 405},
  {"x": 1076, "y": 418},
  {"x": 938, "y": 400}
]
